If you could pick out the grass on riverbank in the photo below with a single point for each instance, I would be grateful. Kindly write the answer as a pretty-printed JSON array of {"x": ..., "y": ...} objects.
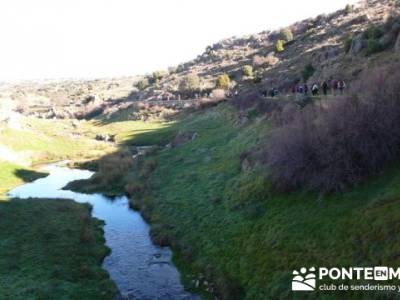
[
  {"x": 244, "y": 239},
  {"x": 12, "y": 175},
  {"x": 51, "y": 249}
]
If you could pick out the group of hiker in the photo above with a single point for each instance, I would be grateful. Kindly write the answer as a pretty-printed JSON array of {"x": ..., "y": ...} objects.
[{"x": 336, "y": 86}]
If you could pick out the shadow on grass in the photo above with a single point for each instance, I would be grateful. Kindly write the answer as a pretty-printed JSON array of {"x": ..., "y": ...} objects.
[{"x": 29, "y": 175}]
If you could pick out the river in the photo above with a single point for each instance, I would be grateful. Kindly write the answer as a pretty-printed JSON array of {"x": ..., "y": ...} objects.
[{"x": 140, "y": 269}]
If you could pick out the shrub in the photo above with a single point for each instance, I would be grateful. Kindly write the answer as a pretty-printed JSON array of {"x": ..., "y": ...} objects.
[
  {"x": 348, "y": 42},
  {"x": 374, "y": 46},
  {"x": 252, "y": 101},
  {"x": 286, "y": 35},
  {"x": 247, "y": 70},
  {"x": 190, "y": 83},
  {"x": 349, "y": 9},
  {"x": 172, "y": 69},
  {"x": 223, "y": 81},
  {"x": 373, "y": 32},
  {"x": 264, "y": 61},
  {"x": 143, "y": 84},
  {"x": 328, "y": 149},
  {"x": 307, "y": 72},
  {"x": 258, "y": 61},
  {"x": 279, "y": 46},
  {"x": 158, "y": 75}
]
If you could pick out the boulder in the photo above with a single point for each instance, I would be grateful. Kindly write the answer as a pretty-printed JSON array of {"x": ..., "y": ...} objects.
[{"x": 105, "y": 138}]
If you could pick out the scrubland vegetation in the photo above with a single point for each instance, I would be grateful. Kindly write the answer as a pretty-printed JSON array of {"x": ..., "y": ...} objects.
[{"x": 328, "y": 148}]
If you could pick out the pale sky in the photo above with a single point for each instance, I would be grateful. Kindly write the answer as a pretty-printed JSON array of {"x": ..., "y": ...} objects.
[{"x": 101, "y": 38}]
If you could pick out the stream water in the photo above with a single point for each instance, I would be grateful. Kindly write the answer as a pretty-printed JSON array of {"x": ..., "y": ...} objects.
[{"x": 140, "y": 269}]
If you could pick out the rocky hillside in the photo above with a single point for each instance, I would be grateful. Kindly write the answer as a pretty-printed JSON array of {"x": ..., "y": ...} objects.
[
  {"x": 331, "y": 46},
  {"x": 337, "y": 45}
]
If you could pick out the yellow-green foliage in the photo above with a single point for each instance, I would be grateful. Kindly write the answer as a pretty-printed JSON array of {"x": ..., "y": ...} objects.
[
  {"x": 142, "y": 84},
  {"x": 286, "y": 35},
  {"x": 223, "y": 81},
  {"x": 247, "y": 70},
  {"x": 279, "y": 46},
  {"x": 190, "y": 83}
]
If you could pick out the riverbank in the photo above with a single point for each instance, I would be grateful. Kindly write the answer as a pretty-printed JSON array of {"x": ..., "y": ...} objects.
[
  {"x": 236, "y": 237},
  {"x": 51, "y": 249}
]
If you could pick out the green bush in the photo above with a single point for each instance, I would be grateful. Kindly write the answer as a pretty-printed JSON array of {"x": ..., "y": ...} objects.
[
  {"x": 373, "y": 32},
  {"x": 190, "y": 83},
  {"x": 349, "y": 9},
  {"x": 286, "y": 35},
  {"x": 279, "y": 46},
  {"x": 143, "y": 84},
  {"x": 158, "y": 75},
  {"x": 307, "y": 72},
  {"x": 374, "y": 47},
  {"x": 348, "y": 42},
  {"x": 223, "y": 81},
  {"x": 247, "y": 70}
]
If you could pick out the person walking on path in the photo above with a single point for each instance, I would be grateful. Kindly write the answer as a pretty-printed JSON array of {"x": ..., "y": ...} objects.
[
  {"x": 315, "y": 89},
  {"x": 306, "y": 89},
  {"x": 341, "y": 86},
  {"x": 325, "y": 88}
]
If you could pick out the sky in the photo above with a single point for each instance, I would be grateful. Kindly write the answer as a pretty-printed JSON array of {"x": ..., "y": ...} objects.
[{"x": 43, "y": 39}]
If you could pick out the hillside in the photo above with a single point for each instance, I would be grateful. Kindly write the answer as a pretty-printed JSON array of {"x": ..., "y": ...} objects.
[{"x": 337, "y": 46}]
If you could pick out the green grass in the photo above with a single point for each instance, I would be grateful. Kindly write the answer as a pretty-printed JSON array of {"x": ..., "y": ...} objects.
[
  {"x": 143, "y": 133},
  {"x": 246, "y": 238},
  {"x": 51, "y": 249},
  {"x": 48, "y": 140},
  {"x": 12, "y": 175}
]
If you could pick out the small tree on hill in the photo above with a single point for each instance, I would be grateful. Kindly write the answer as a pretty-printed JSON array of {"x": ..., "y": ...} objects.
[
  {"x": 223, "y": 81},
  {"x": 247, "y": 70},
  {"x": 190, "y": 83},
  {"x": 158, "y": 75},
  {"x": 349, "y": 9},
  {"x": 142, "y": 84},
  {"x": 286, "y": 35},
  {"x": 279, "y": 46}
]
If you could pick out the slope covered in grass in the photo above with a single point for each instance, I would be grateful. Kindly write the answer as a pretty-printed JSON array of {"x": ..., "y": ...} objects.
[
  {"x": 242, "y": 238},
  {"x": 51, "y": 249}
]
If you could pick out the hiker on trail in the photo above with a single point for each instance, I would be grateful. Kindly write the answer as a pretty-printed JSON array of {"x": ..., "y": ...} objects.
[
  {"x": 341, "y": 86},
  {"x": 272, "y": 93},
  {"x": 300, "y": 89},
  {"x": 305, "y": 89},
  {"x": 315, "y": 89},
  {"x": 294, "y": 89},
  {"x": 325, "y": 87}
]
